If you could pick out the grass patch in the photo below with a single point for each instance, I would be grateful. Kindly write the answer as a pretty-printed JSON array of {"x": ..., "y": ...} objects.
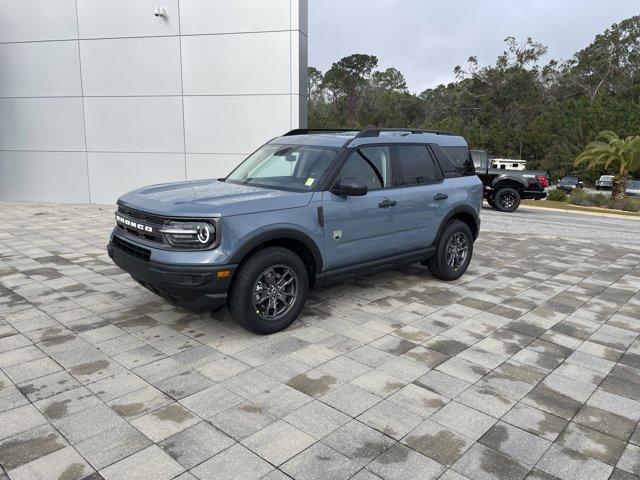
[{"x": 567, "y": 206}]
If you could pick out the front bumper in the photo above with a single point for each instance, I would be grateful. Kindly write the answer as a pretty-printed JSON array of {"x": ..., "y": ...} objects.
[{"x": 196, "y": 288}]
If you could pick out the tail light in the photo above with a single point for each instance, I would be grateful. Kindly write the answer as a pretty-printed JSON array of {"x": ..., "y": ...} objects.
[{"x": 543, "y": 181}]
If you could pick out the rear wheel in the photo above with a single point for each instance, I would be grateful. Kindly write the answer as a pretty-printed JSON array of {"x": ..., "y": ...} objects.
[
  {"x": 491, "y": 202},
  {"x": 507, "y": 199},
  {"x": 454, "y": 251},
  {"x": 269, "y": 290}
]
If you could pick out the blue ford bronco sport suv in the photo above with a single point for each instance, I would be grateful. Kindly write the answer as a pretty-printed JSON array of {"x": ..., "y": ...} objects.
[{"x": 305, "y": 208}]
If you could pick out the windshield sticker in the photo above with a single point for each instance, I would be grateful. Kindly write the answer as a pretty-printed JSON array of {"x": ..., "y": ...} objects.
[{"x": 309, "y": 181}]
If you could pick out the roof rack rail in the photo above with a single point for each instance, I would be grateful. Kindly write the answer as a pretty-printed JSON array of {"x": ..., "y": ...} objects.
[
  {"x": 305, "y": 131},
  {"x": 375, "y": 132}
]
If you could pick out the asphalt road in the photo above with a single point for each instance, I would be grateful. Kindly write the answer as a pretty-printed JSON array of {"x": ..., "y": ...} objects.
[{"x": 563, "y": 225}]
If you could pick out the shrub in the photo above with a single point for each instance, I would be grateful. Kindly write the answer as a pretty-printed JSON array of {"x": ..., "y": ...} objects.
[
  {"x": 627, "y": 204},
  {"x": 557, "y": 196},
  {"x": 580, "y": 197}
]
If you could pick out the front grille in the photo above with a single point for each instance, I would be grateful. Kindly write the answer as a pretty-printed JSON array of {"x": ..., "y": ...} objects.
[
  {"x": 131, "y": 249},
  {"x": 152, "y": 220}
]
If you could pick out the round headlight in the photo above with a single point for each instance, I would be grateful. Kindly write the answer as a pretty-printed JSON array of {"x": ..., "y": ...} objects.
[{"x": 204, "y": 234}]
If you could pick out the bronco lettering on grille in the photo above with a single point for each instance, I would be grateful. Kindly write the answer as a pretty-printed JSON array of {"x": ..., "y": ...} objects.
[{"x": 133, "y": 224}]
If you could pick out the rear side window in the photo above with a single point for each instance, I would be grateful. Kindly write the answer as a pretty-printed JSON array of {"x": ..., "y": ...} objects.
[
  {"x": 454, "y": 161},
  {"x": 415, "y": 165}
]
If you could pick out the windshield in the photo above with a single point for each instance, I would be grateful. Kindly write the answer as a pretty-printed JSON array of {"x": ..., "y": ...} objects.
[
  {"x": 285, "y": 167},
  {"x": 569, "y": 180},
  {"x": 634, "y": 184},
  {"x": 606, "y": 178}
]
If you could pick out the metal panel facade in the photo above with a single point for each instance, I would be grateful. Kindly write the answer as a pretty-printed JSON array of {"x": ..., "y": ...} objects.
[{"x": 101, "y": 96}]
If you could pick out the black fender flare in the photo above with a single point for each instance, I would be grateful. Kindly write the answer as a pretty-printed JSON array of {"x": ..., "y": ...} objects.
[
  {"x": 466, "y": 209},
  {"x": 269, "y": 234},
  {"x": 508, "y": 182}
]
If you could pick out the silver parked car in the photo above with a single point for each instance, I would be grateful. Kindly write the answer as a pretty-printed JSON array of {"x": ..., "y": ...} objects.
[
  {"x": 605, "y": 182},
  {"x": 633, "y": 188}
]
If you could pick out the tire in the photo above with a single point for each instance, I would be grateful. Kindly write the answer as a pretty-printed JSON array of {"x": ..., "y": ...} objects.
[
  {"x": 254, "y": 274},
  {"x": 491, "y": 203},
  {"x": 438, "y": 265},
  {"x": 507, "y": 199}
]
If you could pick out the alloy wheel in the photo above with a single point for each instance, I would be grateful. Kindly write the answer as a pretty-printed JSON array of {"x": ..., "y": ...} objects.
[
  {"x": 457, "y": 249},
  {"x": 275, "y": 292}
]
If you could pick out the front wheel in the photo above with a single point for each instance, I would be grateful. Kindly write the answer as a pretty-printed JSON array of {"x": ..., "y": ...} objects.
[
  {"x": 454, "y": 251},
  {"x": 507, "y": 199},
  {"x": 269, "y": 290}
]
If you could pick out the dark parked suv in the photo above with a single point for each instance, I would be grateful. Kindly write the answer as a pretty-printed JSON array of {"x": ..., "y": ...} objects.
[{"x": 305, "y": 208}]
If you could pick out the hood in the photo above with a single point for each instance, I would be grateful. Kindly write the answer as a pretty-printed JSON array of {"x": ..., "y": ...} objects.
[{"x": 199, "y": 198}]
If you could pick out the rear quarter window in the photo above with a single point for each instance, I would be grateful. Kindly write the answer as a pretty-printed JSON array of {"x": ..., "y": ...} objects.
[{"x": 454, "y": 161}]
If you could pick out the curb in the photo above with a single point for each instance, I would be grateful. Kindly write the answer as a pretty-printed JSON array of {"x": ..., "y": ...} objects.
[{"x": 582, "y": 212}]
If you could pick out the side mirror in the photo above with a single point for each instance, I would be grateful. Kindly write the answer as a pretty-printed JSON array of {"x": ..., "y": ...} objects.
[{"x": 350, "y": 188}]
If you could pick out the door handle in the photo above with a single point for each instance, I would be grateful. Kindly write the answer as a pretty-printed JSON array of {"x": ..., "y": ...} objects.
[
  {"x": 387, "y": 203},
  {"x": 440, "y": 196}
]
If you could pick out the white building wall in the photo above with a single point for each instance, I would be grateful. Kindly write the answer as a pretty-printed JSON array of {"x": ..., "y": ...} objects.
[{"x": 98, "y": 97}]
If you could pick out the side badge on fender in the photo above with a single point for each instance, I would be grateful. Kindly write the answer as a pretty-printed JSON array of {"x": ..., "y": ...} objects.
[{"x": 337, "y": 234}]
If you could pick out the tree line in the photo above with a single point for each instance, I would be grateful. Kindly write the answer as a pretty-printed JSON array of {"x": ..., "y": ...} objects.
[{"x": 517, "y": 107}]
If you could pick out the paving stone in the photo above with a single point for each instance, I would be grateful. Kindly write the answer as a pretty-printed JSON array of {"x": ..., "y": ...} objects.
[
  {"x": 234, "y": 463},
  {"x": 30, "y": 445},
  {"x": 516, "y": 443},
  {"x": 350, "y": 399},
  {"x": 152, "y": 462},
  {"x": 65, "y": 463},
  {"x": 390, "y": 419},
  {"x": 400, "y": 463},
  {"x": 463, "y": 419},
  {"x": 552, "y": 402},
  {"x": 591, "y": 443},
  {"x": 437, "y": 442},
  {"x": 616, "y": 404},
  {"x": 418, "y": 400},
  {"x": 605, "y": 422},
  {"x": 196, "y": 444},
  {"x": 317, "y": 419},
  {"x": 379, "y": 383},
  {"x": 320, "y": 462},
  {"x": 535, "y": 421},
  {"x": 358, "y": 442},
  {"x": 165, "y": 421},
  {"x": 20, "y": 420},
  {"x": 210, "y": 401},
  {"x": 281, "y": 400},
  {"x": 242, "y": 420},
  {"x": 482, "y": 463},
  {"x": 87, "y": 423},
  {"x": 314, "y": 383},
  {"x": 630, "y": 459},
  {"x": 112, "y": 445},
  {"x": 442, "y": 383},
  {"x": 113, "y": 387},
  {"x": 183, "y": 385},
  {"x": 278, "y": 442},
  {"x": 568, "y": 464},
  {"x": 139, "y": 403}
]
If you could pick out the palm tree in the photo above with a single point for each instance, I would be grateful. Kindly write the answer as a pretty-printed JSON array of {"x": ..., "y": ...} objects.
[{"x": 608, "y": 151}]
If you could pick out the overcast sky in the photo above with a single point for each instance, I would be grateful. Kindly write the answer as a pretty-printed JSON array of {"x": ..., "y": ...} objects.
[{"x": 426, "y": 39}]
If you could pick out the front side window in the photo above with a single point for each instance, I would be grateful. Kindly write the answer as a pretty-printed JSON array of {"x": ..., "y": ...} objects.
[
  {"x": 287, "y": 167},
  {"x": 416, "y": 165},
  {"x": 371, "y": 165}
]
